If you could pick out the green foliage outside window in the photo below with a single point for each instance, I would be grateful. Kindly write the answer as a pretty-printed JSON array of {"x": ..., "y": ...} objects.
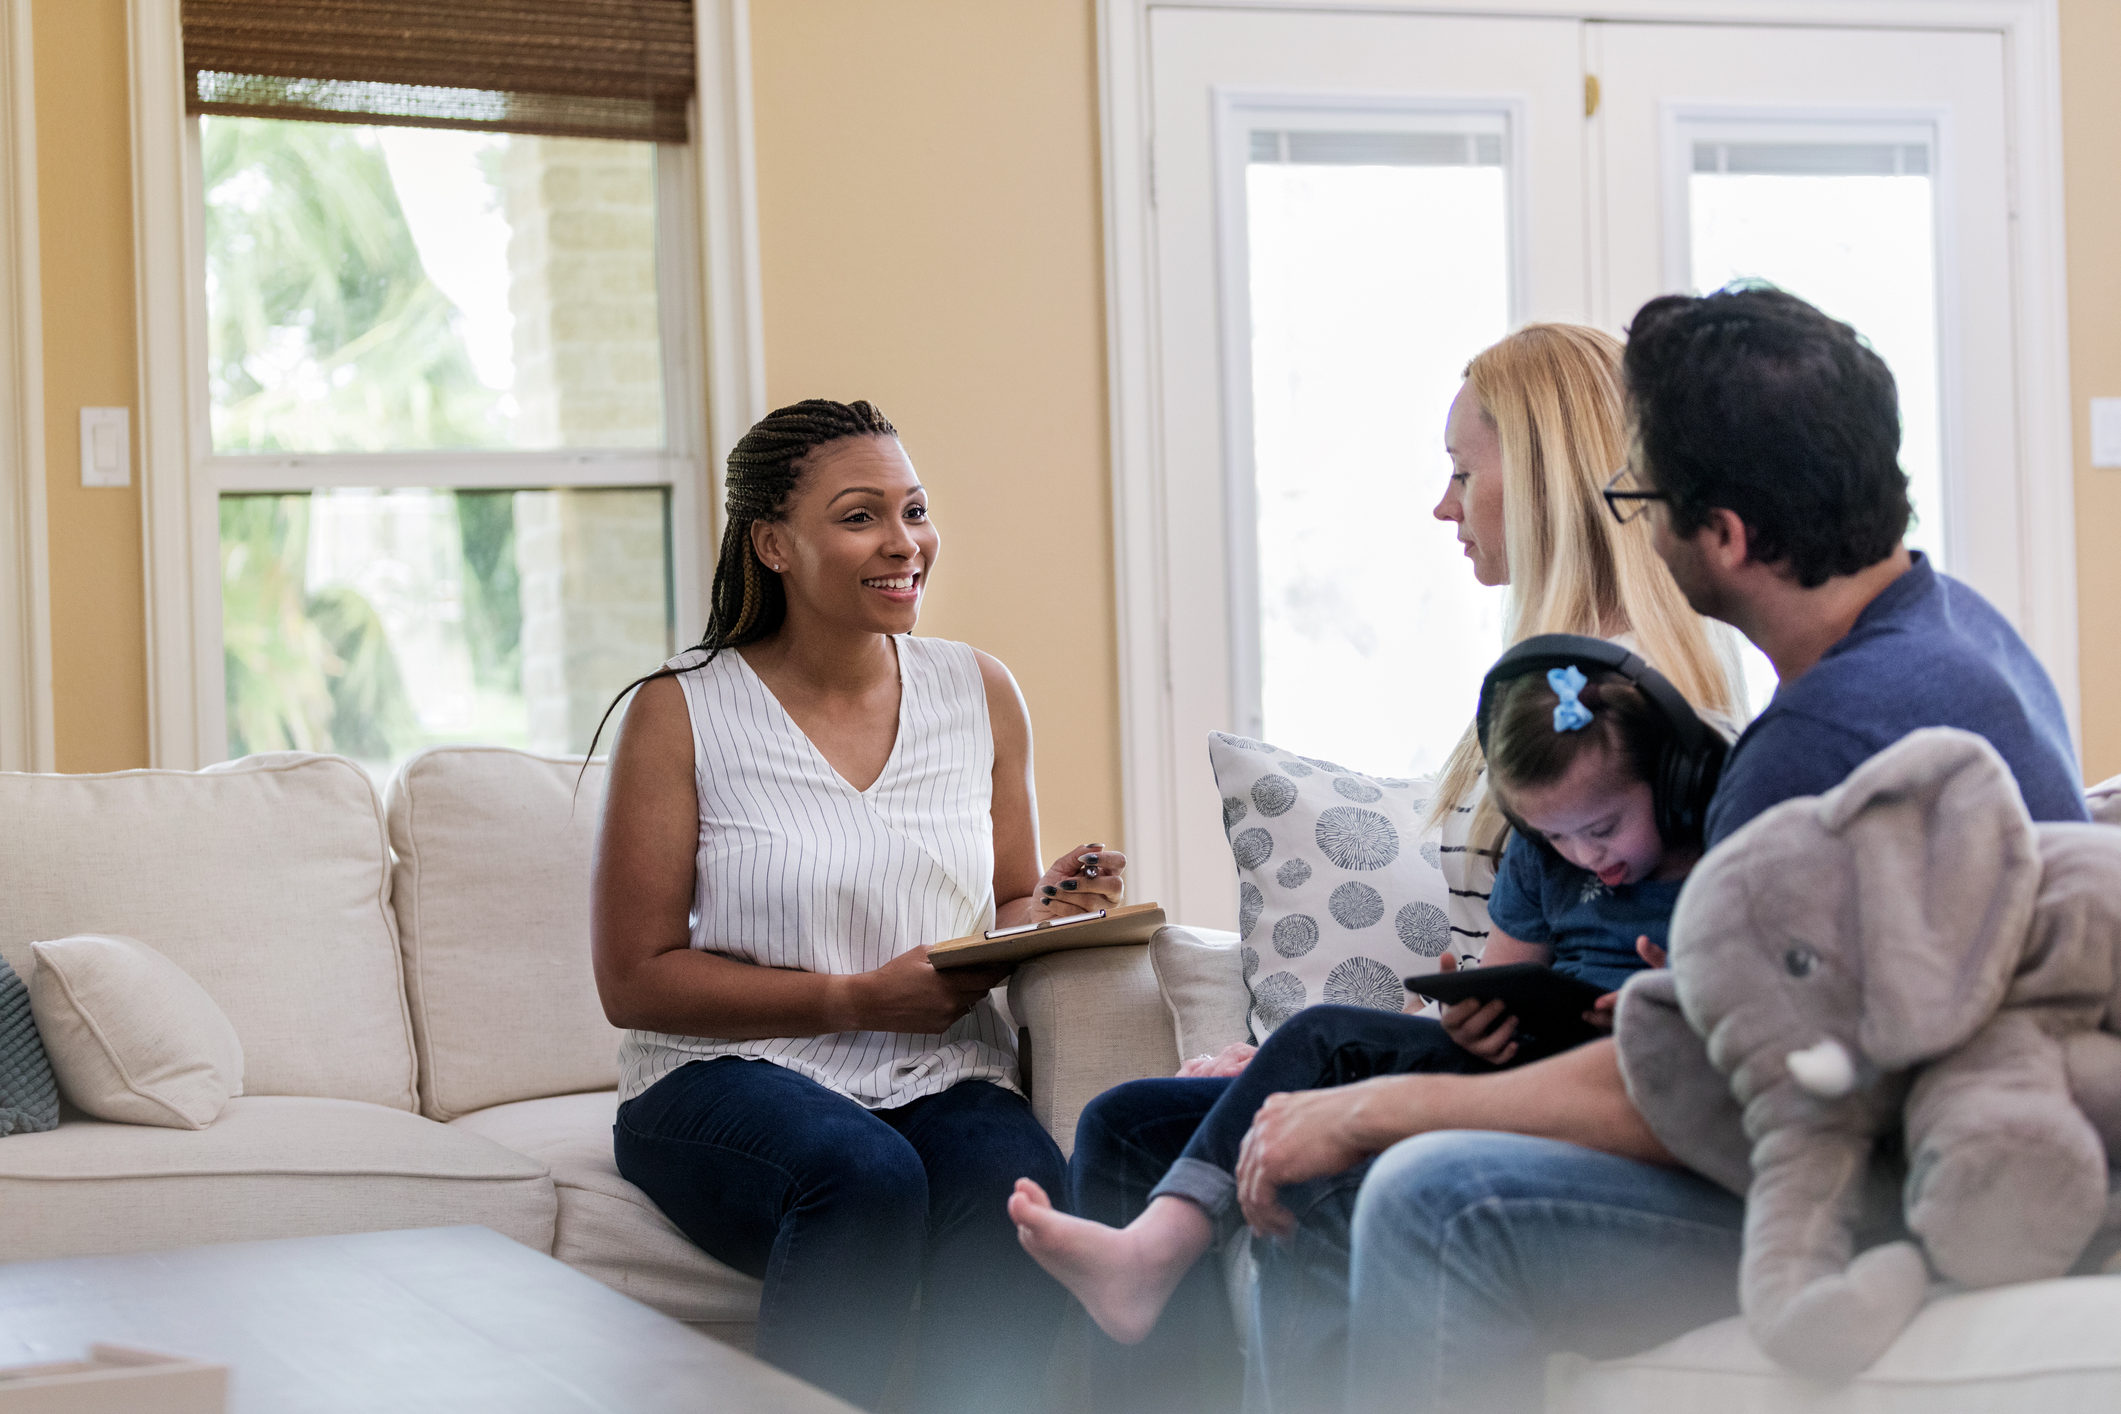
[{"x": 326, "y": 334}]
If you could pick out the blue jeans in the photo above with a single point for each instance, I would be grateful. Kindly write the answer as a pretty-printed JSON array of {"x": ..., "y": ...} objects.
[
  {"x": 1316, "y": 1049},
  {"x": 845, "y": 1213},
  {"x": 1468, "y": 1258},
  {"x": 1180, "y": 1137},
  {"x": 1124, "y": 1141}
]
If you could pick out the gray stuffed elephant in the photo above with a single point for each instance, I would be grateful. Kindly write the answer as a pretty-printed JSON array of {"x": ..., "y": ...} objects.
[{"x": 1906, "y": 956}]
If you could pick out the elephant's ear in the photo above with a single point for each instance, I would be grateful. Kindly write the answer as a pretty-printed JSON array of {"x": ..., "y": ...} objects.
[{"x": 1946, "y": 867}]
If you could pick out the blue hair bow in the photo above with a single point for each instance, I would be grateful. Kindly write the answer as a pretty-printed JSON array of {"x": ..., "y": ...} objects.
[{"x": 1570, "y": 715}]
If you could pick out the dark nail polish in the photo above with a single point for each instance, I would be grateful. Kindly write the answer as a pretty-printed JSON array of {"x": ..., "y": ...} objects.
[
  {"x": 1068, "y": 884},
  {"x": 1047, "y": 891},
  {"x": 1090, "y": 858}
]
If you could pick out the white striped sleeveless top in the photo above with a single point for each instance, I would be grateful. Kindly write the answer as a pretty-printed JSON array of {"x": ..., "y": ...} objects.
[{"x": 796, "y": 868}]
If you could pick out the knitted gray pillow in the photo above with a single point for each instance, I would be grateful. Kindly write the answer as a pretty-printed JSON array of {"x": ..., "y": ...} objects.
[{"x": 29, "y": 1096}]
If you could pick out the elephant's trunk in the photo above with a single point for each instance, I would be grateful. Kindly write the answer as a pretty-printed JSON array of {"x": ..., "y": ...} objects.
[{"x": 1808, "y": 1305}]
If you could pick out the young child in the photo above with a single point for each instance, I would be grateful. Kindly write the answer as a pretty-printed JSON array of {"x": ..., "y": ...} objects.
[{"x": 1587, "y": 885}]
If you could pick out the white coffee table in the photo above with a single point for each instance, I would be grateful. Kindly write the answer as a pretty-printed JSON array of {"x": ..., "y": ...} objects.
[{"x": 458, "y": 1319}]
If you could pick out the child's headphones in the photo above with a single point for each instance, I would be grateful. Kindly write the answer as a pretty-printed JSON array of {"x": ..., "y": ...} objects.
[{"x": 1691, "y": 760}]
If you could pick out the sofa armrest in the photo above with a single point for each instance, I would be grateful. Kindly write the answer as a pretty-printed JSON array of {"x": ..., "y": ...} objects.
[{"x": 1087, "y": 1021}]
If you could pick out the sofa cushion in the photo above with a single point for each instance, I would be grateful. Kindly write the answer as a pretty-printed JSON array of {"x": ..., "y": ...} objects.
[
  {"x": 492, "y": 896},
  {"x": 2104, "y": 800},
  {"x": 2045, "y": 1345},
  {"x": 131, "y": 1037},
  {"x": 268, "y": 882},
  {"x": 270, "y": 1166},
  {"x": 607, "y": 1227}
]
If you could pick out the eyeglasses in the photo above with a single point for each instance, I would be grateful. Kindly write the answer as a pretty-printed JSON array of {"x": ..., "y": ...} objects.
[{"x": 1625, "y": 496}]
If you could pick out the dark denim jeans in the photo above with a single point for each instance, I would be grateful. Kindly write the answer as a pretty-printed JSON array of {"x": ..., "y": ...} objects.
[
  {"x": 1181, "y": 1136},
  {"x": 1316, "y": 1049},
  {"x": 845, "y": 1213},
  {"x": 1474, "y": 1256}
]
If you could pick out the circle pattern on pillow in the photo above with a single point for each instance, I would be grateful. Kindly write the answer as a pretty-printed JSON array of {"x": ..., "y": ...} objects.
[
  {"x": 1424, "y": 928},
  {"x": 1273, "y": 795},
  {"x": 1356, "y": 839},
  {"x": 1364, "y": 981},
  {"x": 1337, "y": 874},
  {"x": 1277, "y": 997},
  {"x": 1356, "y": 905},
  {"x": 1296, "y": 935},
  {"x": 1251, "y": 848}
]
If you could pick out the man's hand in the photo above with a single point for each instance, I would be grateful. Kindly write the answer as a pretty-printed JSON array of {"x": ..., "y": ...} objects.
[{"x": 1307, "y": 1134}]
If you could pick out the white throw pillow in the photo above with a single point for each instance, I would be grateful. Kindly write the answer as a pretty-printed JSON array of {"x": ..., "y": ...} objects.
[
  {"x": 1340, "y": 893},
  {"x": 1197, "y": 971},
  {"x": 132, "y": 1037}
]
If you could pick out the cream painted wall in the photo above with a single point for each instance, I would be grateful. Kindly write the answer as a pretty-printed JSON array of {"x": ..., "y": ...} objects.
[
  {"x": 2091, "y": 152},
  {"x": 84, "y": 196},
  {"x": 931, "y": 240},
  {"x": 930, "y": 224}
]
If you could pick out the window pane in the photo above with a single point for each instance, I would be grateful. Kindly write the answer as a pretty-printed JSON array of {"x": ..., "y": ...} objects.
[
  {"x": 1850, "y": 226},
  {"x": 376, "y": 623},
  {"x": 376, "y": 289},
  {"x": 1379, "y": 265}
]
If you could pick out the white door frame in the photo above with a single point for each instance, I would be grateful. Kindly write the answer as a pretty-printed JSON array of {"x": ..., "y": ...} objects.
[
  {"x": 721, "y": 282},
  {"x": 25, "y": 582},
  {"x": 2046, "y": 486}
]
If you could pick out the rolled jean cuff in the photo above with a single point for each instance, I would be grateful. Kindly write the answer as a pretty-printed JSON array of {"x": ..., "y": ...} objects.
[{"x": 1212, "y": 1190}]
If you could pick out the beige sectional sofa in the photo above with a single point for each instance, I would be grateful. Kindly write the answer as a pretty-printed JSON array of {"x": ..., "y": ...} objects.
[
  {"x": 409, "y": 975},
  {"x": 411, "y": 983}
]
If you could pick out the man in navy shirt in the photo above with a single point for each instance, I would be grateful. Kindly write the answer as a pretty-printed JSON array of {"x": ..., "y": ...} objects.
[{"x": 1531, "y": 1211}]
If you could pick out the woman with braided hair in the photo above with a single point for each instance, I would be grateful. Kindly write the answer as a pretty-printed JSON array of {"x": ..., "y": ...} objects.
[{"x": 797, "y": 808}]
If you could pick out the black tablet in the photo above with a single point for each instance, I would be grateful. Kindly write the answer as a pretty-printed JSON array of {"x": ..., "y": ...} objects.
[{"x": 1547, "y": 1004}]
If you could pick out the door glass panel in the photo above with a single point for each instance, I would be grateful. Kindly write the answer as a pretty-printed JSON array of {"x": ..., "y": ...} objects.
[
  {"x": 1379, "y": 263},
  {"x": 377, "y": 623},
  {"x": 1849, "y": 224}
]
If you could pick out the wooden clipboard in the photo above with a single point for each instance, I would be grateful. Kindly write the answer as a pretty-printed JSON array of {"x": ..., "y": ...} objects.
[{"x": 1105, "y": 928}]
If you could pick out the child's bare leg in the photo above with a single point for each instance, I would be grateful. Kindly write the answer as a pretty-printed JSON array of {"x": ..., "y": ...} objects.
[{"x": 1122, "y": 1275}]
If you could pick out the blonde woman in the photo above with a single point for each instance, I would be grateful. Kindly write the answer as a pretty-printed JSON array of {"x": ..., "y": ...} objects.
[
  {"x": 1533, "y": 436},
  {"x": 1539, "y": 428}
]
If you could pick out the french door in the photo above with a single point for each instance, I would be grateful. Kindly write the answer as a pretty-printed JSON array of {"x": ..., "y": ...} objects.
[{"x": 1345, "y": 207}]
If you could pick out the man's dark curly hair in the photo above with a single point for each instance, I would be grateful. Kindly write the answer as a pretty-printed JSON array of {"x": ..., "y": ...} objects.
[{"x": 1752, "y": 401}]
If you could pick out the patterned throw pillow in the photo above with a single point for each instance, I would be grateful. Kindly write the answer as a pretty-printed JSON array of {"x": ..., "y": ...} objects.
[
  {"x": 29, "y": 1096},
  {"x": 1339, "y": 893}
]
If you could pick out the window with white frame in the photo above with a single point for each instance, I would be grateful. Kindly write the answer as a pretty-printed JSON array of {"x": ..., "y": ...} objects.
[{"x": 445, "y": 444}]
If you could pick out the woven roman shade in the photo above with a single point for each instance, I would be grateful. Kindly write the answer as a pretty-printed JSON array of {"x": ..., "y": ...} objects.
[{"x": 561, "y": 68}]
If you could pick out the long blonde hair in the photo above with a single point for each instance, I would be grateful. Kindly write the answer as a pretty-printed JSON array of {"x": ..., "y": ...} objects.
[{"x": 1552, "y": 394}]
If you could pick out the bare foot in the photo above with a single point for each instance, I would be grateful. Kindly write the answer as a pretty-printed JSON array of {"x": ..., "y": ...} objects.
[{"x": 1122, "y": 1275}]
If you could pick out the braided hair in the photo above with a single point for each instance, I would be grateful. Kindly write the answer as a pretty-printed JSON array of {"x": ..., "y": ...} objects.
[{"x": 746, "y": 603}]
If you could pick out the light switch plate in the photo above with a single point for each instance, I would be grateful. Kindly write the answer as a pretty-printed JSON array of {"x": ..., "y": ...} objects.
[
  {"x": 106, "y": 447},
  {"x": 2106, "y": 432}
]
